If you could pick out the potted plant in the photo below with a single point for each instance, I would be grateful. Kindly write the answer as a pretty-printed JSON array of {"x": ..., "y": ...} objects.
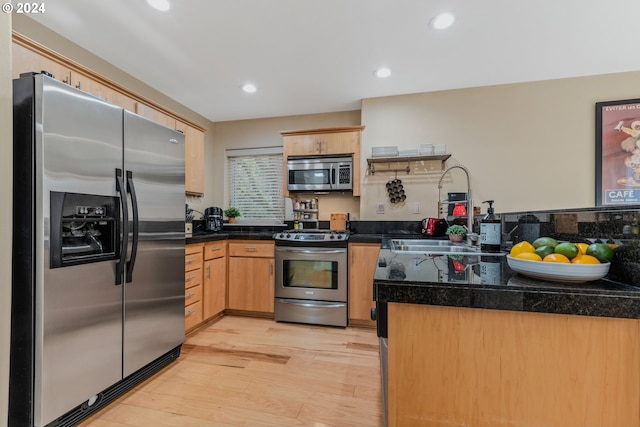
[
  {"x": 232, "y": 213},
  {"x": 456, "y": 233}
]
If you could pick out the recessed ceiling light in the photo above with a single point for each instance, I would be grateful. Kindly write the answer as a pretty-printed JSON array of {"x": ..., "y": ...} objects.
[
  {"x": 249, "y": 88},
  {"x": 442, "y": 21},
  {"x": 161, "y": 5},
  {"x": 383, "y": 73}
]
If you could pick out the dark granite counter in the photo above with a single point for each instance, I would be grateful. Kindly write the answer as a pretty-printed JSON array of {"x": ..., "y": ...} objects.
[{"x": 488, "y": 282}]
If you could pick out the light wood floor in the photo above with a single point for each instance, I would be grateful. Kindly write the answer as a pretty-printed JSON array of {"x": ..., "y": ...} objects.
[{"x": 244, "y": 371}]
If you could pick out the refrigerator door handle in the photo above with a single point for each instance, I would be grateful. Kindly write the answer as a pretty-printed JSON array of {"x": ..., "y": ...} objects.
[
  {"x": 136, "y": 226},
  {"x": 120, "y": 189}
]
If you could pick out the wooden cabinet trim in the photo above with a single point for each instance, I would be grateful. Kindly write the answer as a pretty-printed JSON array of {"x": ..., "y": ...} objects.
[
  {"x": 322, "y": 130},
  {"x": 74, "y": 66}
]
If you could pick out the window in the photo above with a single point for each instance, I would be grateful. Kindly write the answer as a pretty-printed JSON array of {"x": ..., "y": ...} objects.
[{"x": 254, "y": 179}]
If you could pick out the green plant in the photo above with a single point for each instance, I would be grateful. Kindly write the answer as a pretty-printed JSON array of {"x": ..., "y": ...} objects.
[
  {"x": 456, "y": 229},
  {"x": 232, "y": 212}
]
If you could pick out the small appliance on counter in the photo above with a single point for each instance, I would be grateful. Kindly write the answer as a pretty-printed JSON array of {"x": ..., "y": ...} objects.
[
  {"x": 213, "y": 218},
  {"x": 434, "y": 227}
]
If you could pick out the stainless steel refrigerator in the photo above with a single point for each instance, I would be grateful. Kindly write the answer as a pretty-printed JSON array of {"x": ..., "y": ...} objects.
[{"x": 98, "y": 252}]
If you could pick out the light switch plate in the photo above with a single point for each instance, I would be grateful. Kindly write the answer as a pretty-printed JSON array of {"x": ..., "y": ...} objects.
[
  {"x": 416, "y": 207},
  {"x": 380, "y": 208}
]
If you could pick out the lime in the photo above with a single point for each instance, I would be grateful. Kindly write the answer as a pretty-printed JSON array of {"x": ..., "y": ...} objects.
[
  {"x": 543, "y": 251},
  {"x": 545, "y": 241},
  {"x": 567, "y": 249},
  {"x": 602, "y": 251}
]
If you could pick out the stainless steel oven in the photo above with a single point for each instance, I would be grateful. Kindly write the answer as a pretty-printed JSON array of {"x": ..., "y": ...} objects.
[{"x": 311, "y": 277}]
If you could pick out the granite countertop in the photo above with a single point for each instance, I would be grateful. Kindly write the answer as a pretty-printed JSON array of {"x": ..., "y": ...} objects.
[
  {"x": 202, "y": 237},
  {"x": 488, "y": 282}
]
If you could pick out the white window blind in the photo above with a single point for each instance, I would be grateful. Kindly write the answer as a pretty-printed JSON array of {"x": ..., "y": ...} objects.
[{"x": 255, "y": 183}]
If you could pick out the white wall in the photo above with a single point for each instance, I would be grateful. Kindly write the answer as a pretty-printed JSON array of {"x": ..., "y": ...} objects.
[
  {"x": 6, "y": 183},
  {"x": 528, "y": 146}
]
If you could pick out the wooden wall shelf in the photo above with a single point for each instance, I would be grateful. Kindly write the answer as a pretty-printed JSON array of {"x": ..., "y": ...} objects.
[{"x": 373, "y": 161}]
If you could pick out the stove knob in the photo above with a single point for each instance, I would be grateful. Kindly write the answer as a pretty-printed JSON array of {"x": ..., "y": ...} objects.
[
  {"x": 339, "y": 236},
  {"x": 281, "y": 235},
  {"x": 288, "y": 235},
  {"x": 332, "y": 237}
]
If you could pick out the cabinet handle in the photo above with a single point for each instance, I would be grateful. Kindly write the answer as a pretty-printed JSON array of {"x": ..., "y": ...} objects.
[
  {"x": 271, "y": 268},
  {"x": 188, "y": 313},
  {"x": 79, "y": 85},
  {"x": 250, "y": 248},
  {"x": 190, "y": 294},
  {"x": 188, "y": 278},
  {"x": 67, "y": 79},
  {"x": 214, "y": 249},
  {"x": 189, "y": 261},
  {"x": 208, "y": 272}
]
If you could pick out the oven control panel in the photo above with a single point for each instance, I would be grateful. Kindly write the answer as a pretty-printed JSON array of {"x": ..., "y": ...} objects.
[{"x": 324, "y": 236}]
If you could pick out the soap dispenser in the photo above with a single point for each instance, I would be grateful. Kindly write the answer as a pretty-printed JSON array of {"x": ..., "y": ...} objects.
[{"x": 490, "y": 230}]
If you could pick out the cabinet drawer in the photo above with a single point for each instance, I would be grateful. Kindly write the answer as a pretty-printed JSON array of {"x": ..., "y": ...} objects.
[
  {"x": 192, "y": 278},
  {"x": 192, "y": 294},
  {"x": 251, "y": 249},
  {"x": 192, "y": 315},
  {"x": 215, "y": 249},
  {"x": 193, "y": 261}
]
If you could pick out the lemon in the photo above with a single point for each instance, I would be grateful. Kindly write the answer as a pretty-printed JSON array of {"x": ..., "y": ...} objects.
[
  {"x": 602, "y": 251},
  {"x": 521, "y": 247},
  {"x": 582, "y": 247},
  {"x": 556, "y": 258},
  {"x": 531, "y": 256},
  {"x": 545, "y": 241},
  {"x": 585, "y": 259},
  {"x": 567, "y": 249}
]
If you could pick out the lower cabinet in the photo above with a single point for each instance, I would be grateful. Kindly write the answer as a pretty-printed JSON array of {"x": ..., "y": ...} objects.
[
  {"x": 215, "y": 278},
  {"x": 363, "y": 258},
  {"x": 251, "y": 275},
  {"x": 193, "y": 313}
]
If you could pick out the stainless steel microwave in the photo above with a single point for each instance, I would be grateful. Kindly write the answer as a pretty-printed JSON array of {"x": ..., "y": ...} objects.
[{"x": 320, "y": 173}]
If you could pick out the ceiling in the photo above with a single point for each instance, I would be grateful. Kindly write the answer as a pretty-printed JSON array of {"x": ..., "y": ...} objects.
[{"x": 308, "y": 57}]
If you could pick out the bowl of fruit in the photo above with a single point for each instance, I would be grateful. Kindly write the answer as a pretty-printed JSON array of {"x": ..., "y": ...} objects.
[{"x": 548, "y": 259}]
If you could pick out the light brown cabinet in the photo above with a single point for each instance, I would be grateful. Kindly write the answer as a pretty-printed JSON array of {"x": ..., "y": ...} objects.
[
  {"x": 251, "y": 276},
  {"x": 324, "y": 141},
  {"x": 193, "y": 312},
  {"x": 29, "y": 56},
  {"x": 215, "y": 278},
  {"x": 194, "y": 158},
  {"x": 483, "y": 368},
  {"x": 363, "y": 258}
]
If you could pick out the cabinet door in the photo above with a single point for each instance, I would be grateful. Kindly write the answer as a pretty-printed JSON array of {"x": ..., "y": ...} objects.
[
  {"x": 302, "y": 145},
  {"x": 251, "y": 284},
  {"x": 215, "y": 281},
  {"x": 25, "y": 60},
  {"x": 194, "y": 159},
  {"x": 362, "y": 266}
]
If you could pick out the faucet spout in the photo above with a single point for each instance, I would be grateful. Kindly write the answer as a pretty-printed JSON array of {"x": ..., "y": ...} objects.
[{"x": 471, "y": 236}]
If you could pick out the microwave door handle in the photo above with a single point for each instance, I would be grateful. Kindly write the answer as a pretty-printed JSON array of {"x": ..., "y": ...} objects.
[{"x": 332, "y": 176}]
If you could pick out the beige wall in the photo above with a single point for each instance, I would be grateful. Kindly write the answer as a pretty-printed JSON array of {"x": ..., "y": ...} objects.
[
  {"x": 266, "y": 133},
  {"x": 528, "y": 146},
  {"x": 6, "y": 183}
]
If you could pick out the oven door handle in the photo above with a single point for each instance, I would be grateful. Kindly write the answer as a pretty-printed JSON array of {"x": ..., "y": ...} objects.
[
  {"x": 313, "y": 251},
  {"x": 311, "y": 304}
]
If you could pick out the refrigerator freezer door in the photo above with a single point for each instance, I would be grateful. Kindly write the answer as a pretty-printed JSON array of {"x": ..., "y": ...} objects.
[
  {"x": 78, "y": 316},
  {"x": 154, "y": 292}
]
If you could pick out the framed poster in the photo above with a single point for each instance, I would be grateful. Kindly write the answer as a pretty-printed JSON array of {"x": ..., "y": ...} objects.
[{"x": 618, "y": 152}]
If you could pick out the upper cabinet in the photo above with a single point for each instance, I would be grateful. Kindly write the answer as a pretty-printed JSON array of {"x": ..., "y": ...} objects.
[
  {"x": 194, "y": 159},
  {"x": 325, "y": 141},
  {"x": 29, "y": 56}
]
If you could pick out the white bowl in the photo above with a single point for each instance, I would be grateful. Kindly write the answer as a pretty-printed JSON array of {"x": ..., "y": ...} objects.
[{"x": 558, "y": 271}]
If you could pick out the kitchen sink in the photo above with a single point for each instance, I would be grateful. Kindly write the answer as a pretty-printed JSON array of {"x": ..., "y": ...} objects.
[{"x": 436, "y": 247}]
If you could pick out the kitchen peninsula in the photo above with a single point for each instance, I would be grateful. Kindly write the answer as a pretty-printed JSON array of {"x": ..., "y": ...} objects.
[{"x": 470, "y": 348}]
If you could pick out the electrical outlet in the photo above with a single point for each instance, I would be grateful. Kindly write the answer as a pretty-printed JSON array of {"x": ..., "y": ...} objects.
[
  {"x": 416, "y": 207},
  {"x": 380, "y": 208}
]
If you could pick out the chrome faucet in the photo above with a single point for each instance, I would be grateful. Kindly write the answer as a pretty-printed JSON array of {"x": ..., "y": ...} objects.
[{"x": 472, "y": 237}]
